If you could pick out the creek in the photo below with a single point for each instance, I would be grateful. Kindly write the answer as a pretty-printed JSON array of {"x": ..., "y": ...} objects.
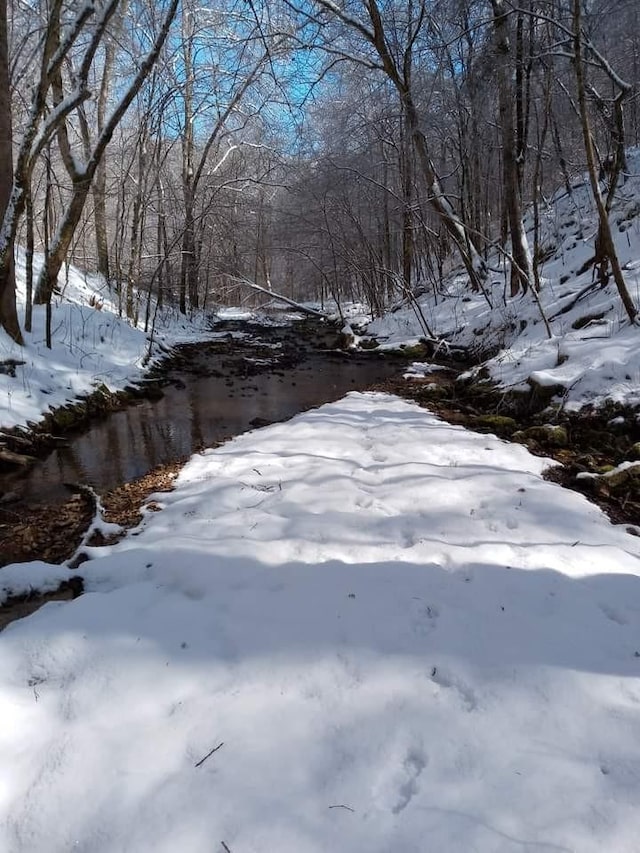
[{"x": 251, "y": 375}]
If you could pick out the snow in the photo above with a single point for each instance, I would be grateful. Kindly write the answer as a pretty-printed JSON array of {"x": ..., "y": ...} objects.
[
  {"x": 593, "y": 364},
  {"x": 361, "y": 630},
  {"x": 92, "y": 346},
  {"x": 420, "y": 369},
  {"x": 39, "y": 577},
  {"x": 394, "y": 633},
  {"x": 623, "y": 466}
]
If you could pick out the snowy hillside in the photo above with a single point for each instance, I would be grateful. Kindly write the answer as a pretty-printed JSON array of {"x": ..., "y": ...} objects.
[
  {"x": 92, "y": 346},
  {"x": 593, "y": 355}
]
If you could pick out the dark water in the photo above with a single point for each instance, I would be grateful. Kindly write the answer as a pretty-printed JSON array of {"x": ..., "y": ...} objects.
[{"x": 198, "y": 411}]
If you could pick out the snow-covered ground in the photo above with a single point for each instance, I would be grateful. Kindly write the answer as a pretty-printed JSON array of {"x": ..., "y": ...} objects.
[
  {"x": 362, "y": 630},
  {"x": 597, "y": 362}
]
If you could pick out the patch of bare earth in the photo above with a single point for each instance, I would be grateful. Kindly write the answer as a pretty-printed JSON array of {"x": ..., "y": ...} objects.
[
  {"x": 54, "y": 533},
  {"x": 122, "y": 505},
  {"x": 49, "y": 533},
  {"x": 19, "y": 606}
]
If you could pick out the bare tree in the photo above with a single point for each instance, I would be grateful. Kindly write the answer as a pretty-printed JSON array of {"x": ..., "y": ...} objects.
[
  {"x": 510, "y": 99},
  {"x": 82, "y": 174},
  {"x": 8, "y": 313},
  {"x": 393, "y": 54},
  {"x": 605, "y": 238}
]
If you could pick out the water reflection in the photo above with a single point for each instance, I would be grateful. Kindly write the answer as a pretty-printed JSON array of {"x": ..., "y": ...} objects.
[{"x": 202, "y": 412}]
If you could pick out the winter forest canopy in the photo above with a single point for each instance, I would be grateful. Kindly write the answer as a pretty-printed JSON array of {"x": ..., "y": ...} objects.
[{"x": 346, "y": 150}]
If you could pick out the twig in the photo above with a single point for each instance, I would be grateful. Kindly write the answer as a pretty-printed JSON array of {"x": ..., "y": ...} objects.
[
  {"x": 225, "y": 847},
  {"x": 340, "y": 806},
  {"x": 208, "y": 755}
]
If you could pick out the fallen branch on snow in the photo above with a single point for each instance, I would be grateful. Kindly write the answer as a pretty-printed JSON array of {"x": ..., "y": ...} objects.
[{"x": 208, "y": 755}]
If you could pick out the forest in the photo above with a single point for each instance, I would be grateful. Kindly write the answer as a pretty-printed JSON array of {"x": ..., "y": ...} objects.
[{"x": 354, "y": 151}]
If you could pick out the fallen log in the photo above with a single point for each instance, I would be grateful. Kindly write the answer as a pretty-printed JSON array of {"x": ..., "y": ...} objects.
[{"x": 245, "y": 282}]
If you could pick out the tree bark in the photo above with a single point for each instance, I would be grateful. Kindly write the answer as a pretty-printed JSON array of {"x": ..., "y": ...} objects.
[
  {"x": 99, "y": 189},
  {"x": 82, "y": 179},
  {"x": 401, "y": 79},
  {"x": 521, "y": 271},
  {"x": 407, "y": 209},
  {"x": 8, "y": 312},
  {"x": 605, "y": 237},
  {"x": 187, "y": 265}
]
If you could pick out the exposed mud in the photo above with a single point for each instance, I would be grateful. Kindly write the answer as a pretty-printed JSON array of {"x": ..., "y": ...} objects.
[{"x": 19, "y": 606}]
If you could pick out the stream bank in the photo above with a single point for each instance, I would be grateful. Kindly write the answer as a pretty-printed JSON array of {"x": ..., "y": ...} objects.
[
  {"x": 202, "y": 395},
  {"x": 298, "y": 370},
  {"x": 597, "y": 450}
]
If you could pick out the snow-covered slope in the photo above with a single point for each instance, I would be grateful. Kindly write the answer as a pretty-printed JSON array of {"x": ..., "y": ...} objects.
[
  {"x": 599, "y": 360},
  {"x": 91, "y": 346},
  {"x": 362, "y": 630}
]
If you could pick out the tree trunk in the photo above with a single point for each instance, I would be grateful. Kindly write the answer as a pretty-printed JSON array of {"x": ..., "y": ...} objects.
[
  {"x": 82, "y": 179},
  {"x": 521, "y": 270},
  {"x": 188, "y": 145},
  {"x": 407, "y": 210},
  {"x": 48, "y": 277},
  {"x": 399, "y": 73},
  {"x": 8, "y": 311},
  {"x": 473, "y": 263},
  {"x": 100, "y": 221},
  {"x": 188, "y": 249},
  {"x": 605, "y": 237},
  {"x": 134, "y": 251},
  {"x": 137, "y": 225},
  {"x": 28, "y": 308},
  {"x": 99, "y": 189}
]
